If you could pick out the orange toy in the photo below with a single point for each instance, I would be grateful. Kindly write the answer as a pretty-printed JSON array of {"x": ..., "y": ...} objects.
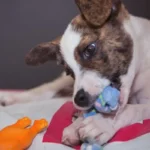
[{"x": 18, "y": 136}]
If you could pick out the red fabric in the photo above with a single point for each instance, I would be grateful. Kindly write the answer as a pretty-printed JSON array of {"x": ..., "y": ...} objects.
[
  {"x": 63, "y": 118},
  {"x": 132, "y": 132}
]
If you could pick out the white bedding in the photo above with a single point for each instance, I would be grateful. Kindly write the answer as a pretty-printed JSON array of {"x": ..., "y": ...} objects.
[{"x": 46, "y": 109}]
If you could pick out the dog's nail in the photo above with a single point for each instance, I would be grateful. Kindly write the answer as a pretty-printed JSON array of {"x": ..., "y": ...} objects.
[
  {"x": 66, "y": 141},
  {"x": 3, "y": 104}
]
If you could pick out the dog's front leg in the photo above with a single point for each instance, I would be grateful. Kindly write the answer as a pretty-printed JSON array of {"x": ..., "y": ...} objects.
[
  {"x": 132, "y": 114},
  {"x": 62, "y": 86},
  {"x": 70, "y": 134},
  {"x": 101, "y": 129}
]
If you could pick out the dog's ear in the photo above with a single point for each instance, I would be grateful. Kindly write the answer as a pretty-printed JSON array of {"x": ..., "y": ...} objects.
[
  {"x": 44, "y": 52},
  {"x": 116, "y": 5},
  {"x": 96, "y": 12}
]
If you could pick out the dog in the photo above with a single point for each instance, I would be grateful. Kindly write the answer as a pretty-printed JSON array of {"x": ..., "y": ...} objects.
[{"x": 104, "y": 45}]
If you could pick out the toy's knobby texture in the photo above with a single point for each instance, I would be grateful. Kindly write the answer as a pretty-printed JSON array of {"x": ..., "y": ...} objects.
[
  {"x": 18, "y": 136},
  {"x": 107, "y": 102},
  {"x": 86, "y": 146}
]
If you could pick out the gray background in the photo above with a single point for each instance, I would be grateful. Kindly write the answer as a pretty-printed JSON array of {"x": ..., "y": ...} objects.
[{"x": 25, "y": 23}]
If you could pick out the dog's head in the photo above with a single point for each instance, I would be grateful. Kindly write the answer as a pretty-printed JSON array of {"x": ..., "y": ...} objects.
[{"x": 95, "y": 49}]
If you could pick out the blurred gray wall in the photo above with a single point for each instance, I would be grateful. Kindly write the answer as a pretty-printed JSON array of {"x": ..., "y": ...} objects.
[{"x": 25, "y": 23}]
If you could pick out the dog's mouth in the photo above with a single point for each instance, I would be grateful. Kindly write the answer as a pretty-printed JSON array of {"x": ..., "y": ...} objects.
[
  {"x": 92, "y": 100},
  {"x": 90, "y": 106},
  {"x": 116, "y": 83}
]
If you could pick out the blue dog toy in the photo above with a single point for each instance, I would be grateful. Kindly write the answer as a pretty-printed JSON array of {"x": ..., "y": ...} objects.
[{"x": 107, "y": 102}]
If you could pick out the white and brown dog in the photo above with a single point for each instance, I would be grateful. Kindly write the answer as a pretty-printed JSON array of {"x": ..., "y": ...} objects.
[{"x": 102, "y": 46}]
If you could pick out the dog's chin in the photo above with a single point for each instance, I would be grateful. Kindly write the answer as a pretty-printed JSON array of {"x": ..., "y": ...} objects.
[{"x": 82, "y": 108}]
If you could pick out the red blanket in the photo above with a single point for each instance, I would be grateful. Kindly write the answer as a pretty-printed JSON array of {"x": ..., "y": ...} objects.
[{"x": 63, "y": 118}]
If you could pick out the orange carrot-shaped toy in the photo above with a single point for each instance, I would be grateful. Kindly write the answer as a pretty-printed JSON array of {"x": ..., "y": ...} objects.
[{"x": 18, "y": 136}]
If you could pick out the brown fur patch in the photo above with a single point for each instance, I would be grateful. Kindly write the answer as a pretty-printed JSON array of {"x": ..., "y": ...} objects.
[
  {"x": 114, "y": 46},
  {"x": 96, "y": 12},
  {"x": 119, "y": 12},
  {"x": 43, "y": 53}
]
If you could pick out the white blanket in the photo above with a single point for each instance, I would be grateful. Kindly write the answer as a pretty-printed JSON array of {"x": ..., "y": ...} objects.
[{"x": 46, "y": 109}]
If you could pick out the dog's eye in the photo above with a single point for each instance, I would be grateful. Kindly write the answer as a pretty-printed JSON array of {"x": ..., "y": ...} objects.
[{"x": 89, "y": 51}]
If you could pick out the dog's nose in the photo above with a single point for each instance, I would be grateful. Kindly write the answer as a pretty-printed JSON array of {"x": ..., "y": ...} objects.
[{"x": 81, "y": 98}]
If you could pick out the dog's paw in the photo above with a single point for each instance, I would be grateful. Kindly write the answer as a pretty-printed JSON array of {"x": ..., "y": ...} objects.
[
  {"x": 97, "y": 129},
  {"x": 10, "y": 98},
  {"x": 7, "y": 99},
  {"x": 70, "y": 135}
]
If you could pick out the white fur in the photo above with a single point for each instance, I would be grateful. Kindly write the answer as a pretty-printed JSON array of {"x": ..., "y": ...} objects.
[
  {"x": 43, "y": 92},
  {"x": 135, "y": 86},
  {"x": 138, "y": 29},
  {"x": 90, "y": 81},
  {"x": 68, "y": 43}
]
